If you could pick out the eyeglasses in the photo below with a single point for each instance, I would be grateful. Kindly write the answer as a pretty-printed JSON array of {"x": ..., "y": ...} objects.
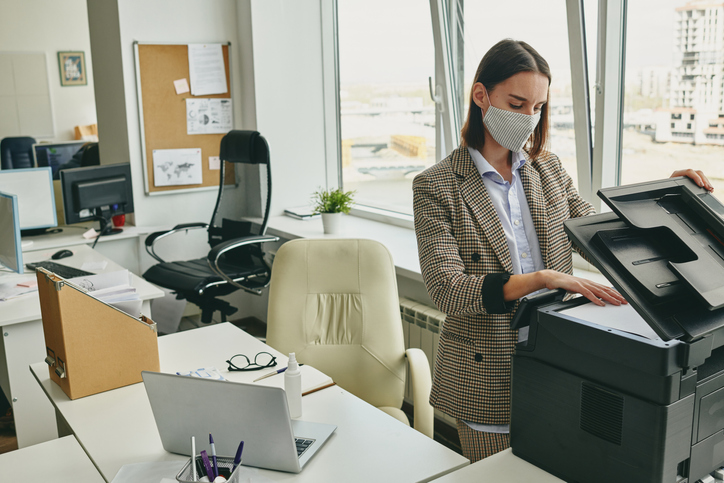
[{"x": 261, "y": 360}]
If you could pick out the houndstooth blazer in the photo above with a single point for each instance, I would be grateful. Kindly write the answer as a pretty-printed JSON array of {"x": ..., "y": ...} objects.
[{"x": 460, "y": 240}]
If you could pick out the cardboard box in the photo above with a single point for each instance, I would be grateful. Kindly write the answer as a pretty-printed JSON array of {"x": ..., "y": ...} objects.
[{"x": 91, "y": 346}]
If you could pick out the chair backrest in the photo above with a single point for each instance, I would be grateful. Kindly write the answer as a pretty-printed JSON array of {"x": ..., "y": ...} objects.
[
  {"x": 334, "y": 303},
  {"x": 16, "y": 152},
  {"x": 91, "y": 155},
  {"x": 240, "y": 147}
]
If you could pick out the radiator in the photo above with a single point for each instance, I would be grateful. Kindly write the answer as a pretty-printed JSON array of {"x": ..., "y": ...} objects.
[{"x": 421, "y": 326}]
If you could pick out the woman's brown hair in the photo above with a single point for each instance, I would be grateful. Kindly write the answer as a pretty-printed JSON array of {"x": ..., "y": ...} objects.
[{"x": 505, "y": 59}]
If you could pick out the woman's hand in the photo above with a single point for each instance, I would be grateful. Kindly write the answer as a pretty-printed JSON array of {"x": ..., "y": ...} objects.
[
  {"x": 595, "y": 292},
  {"x": 697, "y": 176}
]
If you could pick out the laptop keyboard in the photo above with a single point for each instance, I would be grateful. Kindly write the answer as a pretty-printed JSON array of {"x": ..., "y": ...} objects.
[
  {"x": 302, "y": 445},
  {"x": 61, "y": 270}
]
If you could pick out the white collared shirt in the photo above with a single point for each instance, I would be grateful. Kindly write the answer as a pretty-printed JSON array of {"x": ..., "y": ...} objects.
[{"x": 513, "y": 212}]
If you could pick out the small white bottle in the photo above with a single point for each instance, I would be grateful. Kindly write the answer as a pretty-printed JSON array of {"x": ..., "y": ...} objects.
[{"x": 293, "y": 387}]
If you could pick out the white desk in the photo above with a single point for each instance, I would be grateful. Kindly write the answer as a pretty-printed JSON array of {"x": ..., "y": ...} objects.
[
  {"x": 501, "y": 467},
  {"x": 60, "y": 461},
  {"x": 126, "y": 248},
  {"x": 23, "y": 343},
  {"x": 117, "y": 427}
]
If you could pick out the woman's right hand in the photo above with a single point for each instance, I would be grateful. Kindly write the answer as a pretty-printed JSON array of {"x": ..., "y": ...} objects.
[{"x": 595, "y": 292}]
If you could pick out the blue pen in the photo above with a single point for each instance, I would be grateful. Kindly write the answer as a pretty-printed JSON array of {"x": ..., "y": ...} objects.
[
  {"x": 237, "y": 458},
  {"x": 213, "y": 455},
  {"x": 272, "y": 373}
]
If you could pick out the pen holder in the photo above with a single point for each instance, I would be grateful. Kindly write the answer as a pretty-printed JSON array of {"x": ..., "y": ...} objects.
[{"x": 186, "y": 473}]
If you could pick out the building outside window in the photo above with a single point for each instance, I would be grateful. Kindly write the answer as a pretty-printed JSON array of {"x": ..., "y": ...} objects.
[{"x": 674, "y": 64}]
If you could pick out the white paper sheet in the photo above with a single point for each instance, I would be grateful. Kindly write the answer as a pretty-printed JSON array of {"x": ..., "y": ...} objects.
[
  {"x": 621, "y": 317},
  {"x": 206, "y": 69},
  {"x": 10, "y": 290},
  {"x": 208, "y": 116},
  {"x": 173, "y": 167}
]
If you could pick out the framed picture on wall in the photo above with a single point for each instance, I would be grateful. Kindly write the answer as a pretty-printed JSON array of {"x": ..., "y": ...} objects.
[{"x": 72, "y": 69}]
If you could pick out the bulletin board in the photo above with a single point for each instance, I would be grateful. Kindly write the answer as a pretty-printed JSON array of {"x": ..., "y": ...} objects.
[{"x": 162, "y": 113}]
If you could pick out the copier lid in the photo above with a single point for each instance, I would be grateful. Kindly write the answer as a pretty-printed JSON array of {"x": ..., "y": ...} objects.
[{"x": 663, "y": 249}]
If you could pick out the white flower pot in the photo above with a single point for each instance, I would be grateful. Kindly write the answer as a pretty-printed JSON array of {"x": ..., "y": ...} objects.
[{"x": 332, "y": 223}]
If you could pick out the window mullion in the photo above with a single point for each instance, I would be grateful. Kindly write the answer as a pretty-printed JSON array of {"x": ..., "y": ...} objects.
[
  {"x": 446, "y": 105},
  {"x": 609, "y": 91},
  {"x": 580, "y": 95}
]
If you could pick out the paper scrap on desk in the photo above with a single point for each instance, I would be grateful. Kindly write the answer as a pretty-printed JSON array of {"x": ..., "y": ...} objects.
[
  {"x": 150, "y": 472},
  {"x": 204, "y": 373},
  {"x": 207, "y": 72},
  {"x": 11, "y": 290},
  {"x": 621, "y": 317},
  {"x": 214, "y": 162},
  {"x": 98, "y": 266},
  {"x": 208, "y": 116},
  {"x": 181, "y": 86},
  {"x": 90, "y": 234},
  {"x": 172, "y": 167}
]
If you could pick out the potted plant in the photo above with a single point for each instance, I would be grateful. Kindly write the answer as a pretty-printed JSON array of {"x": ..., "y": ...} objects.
[{"x": 332, "y": 204}]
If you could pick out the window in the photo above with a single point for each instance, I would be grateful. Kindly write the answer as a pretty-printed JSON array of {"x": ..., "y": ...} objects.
[
  {"x": 678, "y": 90},
  {"x": 543, "y": 25},
  {"x": 386, "y": 55}
]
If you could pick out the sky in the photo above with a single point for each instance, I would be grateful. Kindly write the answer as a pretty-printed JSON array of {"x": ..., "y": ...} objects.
[{"x": 391, "y": 40}]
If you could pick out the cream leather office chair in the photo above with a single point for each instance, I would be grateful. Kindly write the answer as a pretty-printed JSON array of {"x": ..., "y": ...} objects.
[{"x": 334, "y": 303}]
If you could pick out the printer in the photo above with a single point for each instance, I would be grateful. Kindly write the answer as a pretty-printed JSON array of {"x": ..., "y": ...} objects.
[{"x": 632, "y": 393}]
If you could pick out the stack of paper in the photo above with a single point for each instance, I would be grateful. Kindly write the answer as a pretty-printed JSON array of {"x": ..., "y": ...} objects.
[{"x": 112, "y": 288}]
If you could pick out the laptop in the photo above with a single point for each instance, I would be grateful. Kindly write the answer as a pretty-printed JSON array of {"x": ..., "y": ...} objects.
[{"x": 190, "y": 406}]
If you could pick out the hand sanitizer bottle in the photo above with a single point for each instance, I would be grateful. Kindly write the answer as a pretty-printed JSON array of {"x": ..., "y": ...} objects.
[{"x": 293, "y": 387}]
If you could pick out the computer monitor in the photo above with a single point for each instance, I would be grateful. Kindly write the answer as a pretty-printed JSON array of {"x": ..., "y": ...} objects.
[
  {"x": 36, "y": 199},
  {"x": 97, "y": 193},
  {"x": 11, "y": 252},
  {"x": 56, "y": 154}
]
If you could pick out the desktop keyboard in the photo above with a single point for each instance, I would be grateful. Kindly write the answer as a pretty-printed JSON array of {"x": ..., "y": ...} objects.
[
  {"x": 302, "y": 445},
  {"x": 61, "y": 270}
]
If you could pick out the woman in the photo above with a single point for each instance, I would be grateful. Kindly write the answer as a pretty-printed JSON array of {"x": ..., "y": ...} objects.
[{"x": 489, "y": 224}]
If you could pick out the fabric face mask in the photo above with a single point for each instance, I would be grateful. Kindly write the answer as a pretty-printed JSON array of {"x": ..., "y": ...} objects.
[{"x": 510, "y": 129}]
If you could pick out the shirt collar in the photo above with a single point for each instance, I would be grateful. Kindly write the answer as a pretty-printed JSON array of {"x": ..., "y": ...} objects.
[{"x": 486, "y": 170}]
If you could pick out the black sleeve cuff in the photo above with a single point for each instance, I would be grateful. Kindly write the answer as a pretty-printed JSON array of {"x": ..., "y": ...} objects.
[{"x": 493, "y": 299}]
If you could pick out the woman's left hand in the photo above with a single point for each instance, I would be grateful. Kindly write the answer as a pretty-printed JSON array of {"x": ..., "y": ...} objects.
[{"x": 697, "y": 176}]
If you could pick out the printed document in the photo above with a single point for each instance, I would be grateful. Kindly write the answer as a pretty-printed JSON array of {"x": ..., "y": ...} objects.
[
  {"x": 206, "y": 69},
  {"x": 208, "y": 116},
  {"x": 173, "y": 167}
]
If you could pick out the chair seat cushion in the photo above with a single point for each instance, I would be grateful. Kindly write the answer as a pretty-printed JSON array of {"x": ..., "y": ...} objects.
[{"x": 193, "y": 275}]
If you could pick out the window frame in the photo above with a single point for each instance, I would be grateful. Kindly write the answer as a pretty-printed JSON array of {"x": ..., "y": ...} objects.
[{"x": 447, "y": 24}]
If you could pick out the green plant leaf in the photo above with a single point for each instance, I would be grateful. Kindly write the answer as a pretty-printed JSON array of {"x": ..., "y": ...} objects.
[{"x": 333, "y": 201}]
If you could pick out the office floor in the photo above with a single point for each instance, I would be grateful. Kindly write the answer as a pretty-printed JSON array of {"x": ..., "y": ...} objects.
[{"x": 444, "y": 433}]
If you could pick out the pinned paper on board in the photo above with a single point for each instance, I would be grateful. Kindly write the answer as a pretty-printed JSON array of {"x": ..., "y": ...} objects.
[
  {"x": 206, "y": 69},
  {"x": 172, "y": 167},
  {"x": 208, "y": 116},
  {"x": 214, "y": 162},
  {"x": 181, "y": 86}
]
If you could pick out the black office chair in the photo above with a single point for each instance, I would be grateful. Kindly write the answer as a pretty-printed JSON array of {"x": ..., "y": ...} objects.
[
  {"x": 17, "y": 152},
  {"x": 236, "y": 260}
]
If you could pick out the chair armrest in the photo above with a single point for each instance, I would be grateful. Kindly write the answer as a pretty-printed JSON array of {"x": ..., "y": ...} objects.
[
  {"x": 424, "y": 415},
  {"x": 157, "y": 235},
  {"x": 216, "y": 253}
]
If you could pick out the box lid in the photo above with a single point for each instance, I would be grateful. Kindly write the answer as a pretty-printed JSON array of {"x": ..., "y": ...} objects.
[{"x": 663, "y": 249}]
